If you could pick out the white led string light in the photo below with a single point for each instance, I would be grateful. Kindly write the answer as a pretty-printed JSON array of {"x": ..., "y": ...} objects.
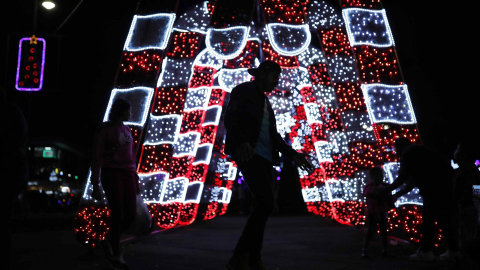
[
  {"x": 217, "y": 109},
  {"x": 229, "y": 78},
  {"x": 388, "y": 103},
  {"x": 195, "y": 19},
  {"x": 323, "y": 150},
  {"x": 289, "y": 39},
  {"x": 197, "y": 98},
  {"x": 334, "y": 190},
  {"x": 412, "y": 197},
  {"x": 174, "y": 190},
  {"x": 138, "y": 97},
  {"x": 368, "y": 27},
  {"x": 311, "y": 195},
  {"x": 312, "y": 112},
  {"x": 235, "y": 36},
  {"x": 203, "y": 158},
  {"x": 199, "y": 193},
  {"x": 322, "y": 15},
  {"x": 175, "y": 72},
  {"x": 152, "y": 185},
  {"x": 162, "y": 43},
  {"x": 187, "y": 144},
  {"x": 206, "y": 59},
  {"x": 342, "y": 69},
  {"x": 163, "y": 129}
]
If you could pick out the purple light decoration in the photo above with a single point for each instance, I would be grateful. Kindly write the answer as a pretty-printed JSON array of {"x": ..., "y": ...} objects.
[
  {"x": 477, "y": 162},
  {"x": 41, "y": 69}
]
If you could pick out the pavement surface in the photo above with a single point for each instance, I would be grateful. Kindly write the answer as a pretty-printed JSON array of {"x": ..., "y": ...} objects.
[{"x": 292, "y": 242}]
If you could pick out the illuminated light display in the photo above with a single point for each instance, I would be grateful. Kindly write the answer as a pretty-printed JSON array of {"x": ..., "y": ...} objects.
[
  {"x": 152, "y": 184},
  {"x": 358, "y": 126},
  {"x": 312, "y": 195},
  {"x": 227, "y": 43},
  {"x": 162, "y": 129},
  {"x": 344, "y": 68},
  {"x": 206, "y": 59},
  {"x": 149, "y": 32},
  {"x": 413, "y": 197},
  {"x": 339, "y": 142},
  {"x": 194, "y": 192},
  {"x": 229, "y": 78},
  {"x": 30, "y": 64},
  {"x": 389, "y": 103},
  {"x": 289, "y": 39},
  {"x": 139, "y": 98},
  {"x": 288, "y": 11},
  {"x": 367, "y": 27},
  {"x": 334, "y": 190},
  {"x": 319, "y": 105},
  {"x": 322, "y": 15},
  {"x": 195, "y": 20},
  {"x": 187, "y": 144},
  {"x": 324, "y": 151},
  {"x": 248, "y": 58},
  {"x": 204, "y": 153},
  {"x": 175, "y": 72},
  {"x": 220, "y": 194},
  {"x": 212, "y": 115},
  {"x": 185, "y": 44},
  {"x": 139, "y": 68},
  {"x": 197, "y": 98},
  {"x": 312, "y": 112},
  {"x": 174, "y": 190}
]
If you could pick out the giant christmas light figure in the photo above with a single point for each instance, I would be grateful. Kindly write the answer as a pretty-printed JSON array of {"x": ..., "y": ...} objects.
[{"x": 341, "y": 98}]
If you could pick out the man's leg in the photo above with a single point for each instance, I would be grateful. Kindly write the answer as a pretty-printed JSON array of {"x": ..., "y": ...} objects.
[
  {"x": 258, "y": 175},
  {"x": 371, "y": 228},
  {"x": 448, "y": 223},
  {"x": 428, "y": 226}
]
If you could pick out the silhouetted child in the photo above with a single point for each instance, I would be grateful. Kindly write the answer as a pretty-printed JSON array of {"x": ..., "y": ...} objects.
[{"x": 377, "y": 208}]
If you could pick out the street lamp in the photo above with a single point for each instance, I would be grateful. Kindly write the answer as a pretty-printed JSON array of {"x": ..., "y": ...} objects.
[{"x": 48, "y": 4}]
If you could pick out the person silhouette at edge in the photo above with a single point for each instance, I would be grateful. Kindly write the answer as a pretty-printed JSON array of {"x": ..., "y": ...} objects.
[
  {"x": 13, "y": 169},
  {"x": 253, "y": 143},
  {"x": 425, "y": 168},
  {"x": 114, "y": 165},
  {"x": 466, "y": 176}
]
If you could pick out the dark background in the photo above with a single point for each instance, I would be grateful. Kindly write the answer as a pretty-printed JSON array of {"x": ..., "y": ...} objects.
[{"x": 435, "y": 44}]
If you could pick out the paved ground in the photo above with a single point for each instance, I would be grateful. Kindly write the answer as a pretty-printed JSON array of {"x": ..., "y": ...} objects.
[{"x": 292, "y": 242}]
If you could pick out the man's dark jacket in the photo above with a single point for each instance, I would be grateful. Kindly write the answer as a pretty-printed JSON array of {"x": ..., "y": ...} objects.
[{"x": 243, "y": 121}]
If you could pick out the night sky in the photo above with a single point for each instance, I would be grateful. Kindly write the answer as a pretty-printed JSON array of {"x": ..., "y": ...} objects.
[{"x": 435, "y": 47}]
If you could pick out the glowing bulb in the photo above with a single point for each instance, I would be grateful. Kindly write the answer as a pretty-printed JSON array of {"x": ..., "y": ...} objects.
[{"x": 48, "y": 5}]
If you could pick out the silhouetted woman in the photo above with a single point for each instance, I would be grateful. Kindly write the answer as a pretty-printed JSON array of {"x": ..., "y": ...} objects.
[{"x": 114, "y": 165}]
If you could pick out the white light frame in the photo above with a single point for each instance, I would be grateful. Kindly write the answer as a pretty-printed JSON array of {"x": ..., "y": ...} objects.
[
  {"x": 346, "y": 12},
  {"x": 176, "y": 132},
  {"x": 163, "y": 44},
  {"x": 371, "y": 113},
  {"x": 246, "y": 31},
  {"x": 150, "y": 93},
  {"x": 304, "y": 27},
  {"x": 329, "y": 192}
]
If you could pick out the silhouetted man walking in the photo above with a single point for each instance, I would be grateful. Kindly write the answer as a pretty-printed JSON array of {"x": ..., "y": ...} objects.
[
  {"x": 424, "y": 168},
  {"x": 253, "y": 142}
]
